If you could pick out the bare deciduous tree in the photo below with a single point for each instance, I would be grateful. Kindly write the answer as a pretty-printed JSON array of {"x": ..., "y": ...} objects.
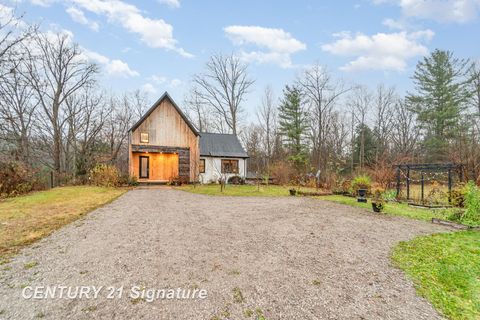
[
  {"x": 17, "y": 113},
  {"x": 322, "y": 92},
  {"x": 197, "y": 111},
  {"x": 360, "y": 102},
  {"x": 384, "y": 103},
  {"x": 13, "y": 30},
  {"x": 86, "y": 118},
  {"x": 267, "y": 119},
  {"x": 405, "y": 133},
  {"x": 476, "y": 86},
  {"x": 223, "y": 87},
  {"x": 56, "y": 70},
  {"x": 120, "y": 118}
]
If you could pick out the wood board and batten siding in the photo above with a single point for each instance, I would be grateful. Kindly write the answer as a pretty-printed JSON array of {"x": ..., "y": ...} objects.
[{"x": 172, "y": 142}]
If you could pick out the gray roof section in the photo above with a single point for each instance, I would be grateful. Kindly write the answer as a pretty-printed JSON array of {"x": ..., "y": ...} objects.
[{"x": 221, "y": 145}]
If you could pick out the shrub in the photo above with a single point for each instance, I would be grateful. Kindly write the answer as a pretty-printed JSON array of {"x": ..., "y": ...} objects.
[
  {"x": 236, "y": 180},
  {"x": 389, "y": 195},
  {"x": 127, "y": 180},
  {"x": 330, "y": 181},
  {"x": 104, "y": 175},
  {"x": 361, "y": 182},
  {"x": 436, "y": 195},
  {"x": 458, "y": 195},
  {"x": 472, "y": 204},
  {"x": 16, "y": 179},
  {"x": 346, "y": 186},
  {"x": 132, "y": 181},
  {"x": 282, "y": 172},
  {"x": 383, "y": 174},
  {"x": 377, "y": 192}
]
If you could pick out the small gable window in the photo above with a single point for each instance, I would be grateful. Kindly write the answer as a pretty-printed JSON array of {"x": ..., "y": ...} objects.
[{"x": 144, "y": 137}]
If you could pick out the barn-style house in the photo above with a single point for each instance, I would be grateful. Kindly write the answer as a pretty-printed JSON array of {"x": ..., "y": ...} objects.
[{"x": 165, "y": 146}]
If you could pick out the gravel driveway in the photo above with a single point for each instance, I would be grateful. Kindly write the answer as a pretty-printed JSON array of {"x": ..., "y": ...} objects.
[{"x": 285, "y": 258}]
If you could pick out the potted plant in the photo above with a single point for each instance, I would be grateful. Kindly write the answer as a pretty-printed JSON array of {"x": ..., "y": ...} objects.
[
  {"x": 361, "y": 185},
  {"x": 362, "y": 195},
  {"x": 378, "y": 203},
  {"x": 293, "y": 192}
]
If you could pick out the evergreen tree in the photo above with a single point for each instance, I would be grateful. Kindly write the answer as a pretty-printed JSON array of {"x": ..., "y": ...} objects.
[
  {"x": 441, "y": 83},
  {"x": 370, "y": 145},
  {"x": 292, "y": 122}
]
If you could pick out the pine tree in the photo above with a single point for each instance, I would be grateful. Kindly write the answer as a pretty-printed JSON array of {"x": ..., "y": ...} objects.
[
  {"x": 441, "y": 82},
  {"x": 370, "y": 145},
  {"x": 292, "y": 122}
]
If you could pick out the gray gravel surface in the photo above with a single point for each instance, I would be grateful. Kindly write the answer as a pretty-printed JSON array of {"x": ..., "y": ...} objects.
[{"x": 285, "y": 258}]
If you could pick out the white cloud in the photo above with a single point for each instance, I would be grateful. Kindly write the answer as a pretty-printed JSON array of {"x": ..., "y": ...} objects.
[
  {"x": 77, "y": 15},
  {"x": 162, "y": 80},
  {"x": 458, "y": 11},
  {"x": 149, "y": 88},
  {"x": 381, "y": 51},
  {"x": 155, "y": 33},
  {"x": 156, "y": 81},
  {"x": 171, "y": 3},
  {"x": 120, "y": 68},
  {"x": 115, "y": 67},
  {"x": 42, "y": 3},
  {"x": 280, "y": 45},
  {"x": 394, "y": 24},
  {"x": 175, "y": 82},
  {"x": 6, "y": 14},
  {"x": 7, "y": 17}
]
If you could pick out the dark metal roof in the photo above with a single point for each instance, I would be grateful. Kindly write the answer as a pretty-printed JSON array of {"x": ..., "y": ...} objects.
[
  {"x": 221, "y": 145},
  {"x": 156, "y": 104}
]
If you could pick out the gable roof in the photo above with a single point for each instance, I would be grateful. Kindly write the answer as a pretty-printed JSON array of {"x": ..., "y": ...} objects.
[
  {"x": 221, "y": 145},
  {"x": 156, "y": 104}
]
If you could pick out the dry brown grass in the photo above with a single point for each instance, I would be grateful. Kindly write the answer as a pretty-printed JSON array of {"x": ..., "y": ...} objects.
[{"x": 26, "y": 219}]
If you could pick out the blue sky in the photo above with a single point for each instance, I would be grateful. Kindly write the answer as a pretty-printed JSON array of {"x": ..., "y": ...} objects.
[{"x": 158, "y": 45}]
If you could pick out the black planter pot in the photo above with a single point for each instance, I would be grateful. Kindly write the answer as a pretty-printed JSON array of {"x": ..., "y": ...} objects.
[
  {"x": 362, "y": 193},
  {"x": 293, "y": 192},
  {"x": 377, "y": 206}
]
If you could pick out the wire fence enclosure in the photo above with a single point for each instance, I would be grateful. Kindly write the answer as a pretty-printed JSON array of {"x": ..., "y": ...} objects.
[{"x": 428, "y": 184}]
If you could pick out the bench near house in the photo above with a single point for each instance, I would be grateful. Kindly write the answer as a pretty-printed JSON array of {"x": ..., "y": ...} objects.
[{"x": 164, "y": 146}]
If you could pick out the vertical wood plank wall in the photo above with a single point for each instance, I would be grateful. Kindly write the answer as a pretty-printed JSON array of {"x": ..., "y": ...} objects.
[{"x": 168, "y": 129}]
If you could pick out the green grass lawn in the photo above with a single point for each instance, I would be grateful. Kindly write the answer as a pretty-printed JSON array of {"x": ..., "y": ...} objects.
[
  {"x": 394, "y": 208},
  {"x": 26, "y": 219},
  {"x": 242, "y": 190},
  {"x": 446, "y": 270},
  {"x": 398, "y": 209}
]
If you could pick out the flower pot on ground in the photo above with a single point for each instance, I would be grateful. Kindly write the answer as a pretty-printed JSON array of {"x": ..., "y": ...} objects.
[
  {"x": 362, "y": 195},
  {"x": 377, "y": 206},
  {"x": 378, "y": 203}
]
